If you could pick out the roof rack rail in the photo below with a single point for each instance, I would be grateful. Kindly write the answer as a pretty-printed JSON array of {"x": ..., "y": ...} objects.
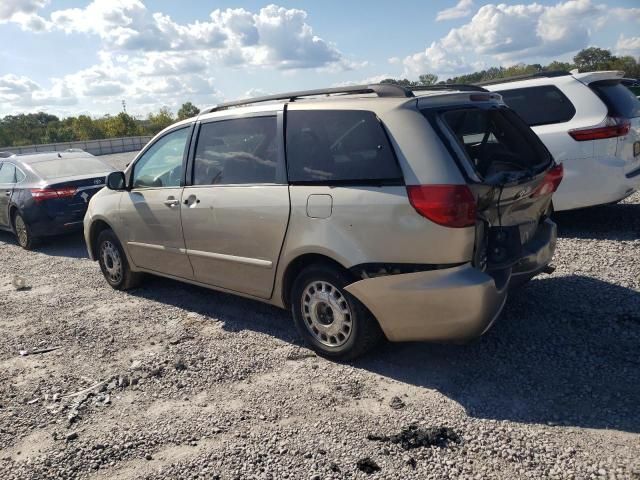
[
  {"x": 515, "y": 78},
  {"x": 382, "y": 90},
  {"x": 463, "y": 87}
]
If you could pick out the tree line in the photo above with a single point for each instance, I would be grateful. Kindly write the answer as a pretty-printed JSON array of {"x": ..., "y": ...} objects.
[
  {"x": 587, "y": 60},
  {"x": 41, "y": 127},
  {"x": 37, "y": 128}
]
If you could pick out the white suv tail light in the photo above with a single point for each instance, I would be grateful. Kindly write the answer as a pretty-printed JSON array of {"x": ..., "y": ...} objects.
[{"x": 611, "y": 127}]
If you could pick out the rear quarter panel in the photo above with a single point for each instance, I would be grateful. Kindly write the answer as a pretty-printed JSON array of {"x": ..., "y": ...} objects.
[
  {"x": 372, "y": 224},
  {"x": 369, "y": 225}
]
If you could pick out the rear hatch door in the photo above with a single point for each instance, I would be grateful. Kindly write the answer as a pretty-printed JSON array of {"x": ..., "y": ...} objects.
[
  {"x": 511, "y": 173},
  {"x": 624, "y": 107}
]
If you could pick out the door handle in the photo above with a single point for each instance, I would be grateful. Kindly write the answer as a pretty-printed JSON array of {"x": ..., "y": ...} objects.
[
  {"x": 7, "y": 193},
  {"x": 171, "y": 202}
]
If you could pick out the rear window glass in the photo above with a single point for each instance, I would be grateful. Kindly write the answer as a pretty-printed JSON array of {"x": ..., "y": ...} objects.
[
  {"x": 620, "y": 101},
  {"x": 69, "y": 167},
  {"x": 539, "y": 105},
  {"x": 496, "y": 140},
  {"x": 325, "y": 146}
]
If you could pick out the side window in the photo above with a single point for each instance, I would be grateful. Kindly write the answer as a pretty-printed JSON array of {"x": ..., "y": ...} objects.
[
  {"x": 539, "y": 105},
  {"x": 7, "y": 173},
  {"x": 325, "y": 146},
  {"x": 238, "y": 151},
  {"x": 20, "y": 176},
  {"x": 161, "y": 165}
]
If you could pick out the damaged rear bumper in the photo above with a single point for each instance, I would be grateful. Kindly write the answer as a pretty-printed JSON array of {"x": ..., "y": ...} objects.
[{"x": 453, "y": 304}]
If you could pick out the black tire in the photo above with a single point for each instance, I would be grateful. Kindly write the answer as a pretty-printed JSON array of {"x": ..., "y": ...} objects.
[
  {"x": 113, "y": 262},
  {"x": 363, "y": 329},
  {"x": 23, "y": 233}
]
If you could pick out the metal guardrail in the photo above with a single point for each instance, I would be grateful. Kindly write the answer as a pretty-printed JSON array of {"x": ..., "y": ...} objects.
[{"x": 96, "y": 147}]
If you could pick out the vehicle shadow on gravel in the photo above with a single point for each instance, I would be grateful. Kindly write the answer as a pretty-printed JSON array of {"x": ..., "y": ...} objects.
[
  {"x": 69, "y": 245},
  {"x": 565, "y": 352},
  {"x": 233, "y": 312},
  {"x": 612, "y": 222}
]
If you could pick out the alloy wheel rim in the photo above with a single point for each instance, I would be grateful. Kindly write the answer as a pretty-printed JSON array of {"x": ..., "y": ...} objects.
[
  {"x": 111, "y": 261},
  {"x": 326, "y": 314},
  {"x": 21, "y": 231}
]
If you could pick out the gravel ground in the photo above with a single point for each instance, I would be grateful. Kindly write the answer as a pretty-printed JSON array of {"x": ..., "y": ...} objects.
[{"x": 191, "y": 383}]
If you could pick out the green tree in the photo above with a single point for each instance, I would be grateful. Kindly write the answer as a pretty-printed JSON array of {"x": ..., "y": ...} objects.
[
  {"x": 84, "y": 128},
  {"x": 122, "y": 125},
  {"x": 593, "y": 58},
  {"x": 159, "y": 121},
  {"x": 559, "y": 66},
  {"x": 427, "y": 79},
  {"x": 627, "y": 64},
  {"x": 187, "y": 110},
  {"x": 403, "y": 82}
]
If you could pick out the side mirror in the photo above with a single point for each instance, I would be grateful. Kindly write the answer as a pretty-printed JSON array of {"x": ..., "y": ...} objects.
[{"x": 116, "y": 181}]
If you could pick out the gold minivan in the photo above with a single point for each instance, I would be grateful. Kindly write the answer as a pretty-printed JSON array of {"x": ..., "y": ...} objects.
[{"x": 369, "y": 211}]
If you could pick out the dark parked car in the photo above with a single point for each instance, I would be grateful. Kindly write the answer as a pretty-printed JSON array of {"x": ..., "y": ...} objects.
[{"x": 43, "y": 194}]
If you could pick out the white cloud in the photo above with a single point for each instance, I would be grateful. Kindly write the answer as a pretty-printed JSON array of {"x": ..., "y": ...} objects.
[
  {"x": 462, "y": 9},
  {"x": 9, "y": 8},
  {"x": 272, "y": 37},
  {"x": 24, "y": 13},
  {"x": 255, "y": 92},
  {"x": 146, "y": 57},
  {"x": 628, "y": 46},
  {"x": 20, "y": 91},
  {"x": 14, "y": 86},
  {"x": 510, "y": 33},
  {"x": 364, "y": 81}
]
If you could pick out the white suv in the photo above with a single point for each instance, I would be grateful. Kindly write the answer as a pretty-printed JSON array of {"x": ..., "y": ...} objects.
[{"x": 590, "y": 123}]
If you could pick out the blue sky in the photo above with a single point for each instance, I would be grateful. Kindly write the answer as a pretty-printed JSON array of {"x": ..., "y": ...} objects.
[{"x": 69, "y": 57}]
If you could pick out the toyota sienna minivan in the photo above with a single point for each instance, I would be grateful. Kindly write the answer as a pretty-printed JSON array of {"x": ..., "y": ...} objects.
[{"x": 368, "y": 211}]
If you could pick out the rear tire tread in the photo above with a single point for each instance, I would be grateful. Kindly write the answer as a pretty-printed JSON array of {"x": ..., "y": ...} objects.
[
  {"x": 367, "y": 332},
  {"x": 31, "y": 241}
]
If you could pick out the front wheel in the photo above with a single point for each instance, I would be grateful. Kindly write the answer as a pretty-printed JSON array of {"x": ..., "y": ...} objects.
[
  {"x": 332, "y": 321},
  {"x": 114, "y": 264},
  {"x": 23, "y": 232}
]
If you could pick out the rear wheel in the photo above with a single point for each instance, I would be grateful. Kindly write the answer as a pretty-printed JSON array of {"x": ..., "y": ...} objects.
[
  {"x": 332, "y": 321},
  {"x": 114, "y": 264},
  {"x": 23, "y": 232}
]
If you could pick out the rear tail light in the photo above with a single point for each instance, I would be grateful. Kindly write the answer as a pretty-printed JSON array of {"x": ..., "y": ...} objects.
[
  {"x": 447, "y": 205},
  {"x": 550, "y": 182},
  {"x": 611, "y": 127},
  {"x": 42, "y": 194}
]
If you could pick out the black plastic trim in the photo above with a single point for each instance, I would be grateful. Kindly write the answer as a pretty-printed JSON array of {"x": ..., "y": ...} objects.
[
  {"x": 381, "y": 269},
  {"x": 382, "y": 90},
  {"x": 461, "y": 87},
  {"x": 633, "y": 173}
]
